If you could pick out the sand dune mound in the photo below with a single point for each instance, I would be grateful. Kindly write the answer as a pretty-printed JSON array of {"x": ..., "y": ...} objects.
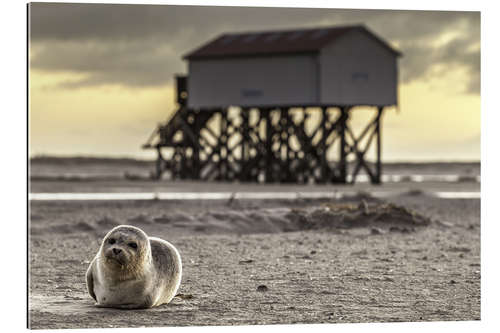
[
  {"x": 329, "y": 217},
  {"x": 345, "y": 216}
]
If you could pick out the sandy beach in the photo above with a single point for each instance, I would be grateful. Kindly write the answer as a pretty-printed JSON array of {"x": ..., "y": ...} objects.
[{"x": 267, "y": 261}]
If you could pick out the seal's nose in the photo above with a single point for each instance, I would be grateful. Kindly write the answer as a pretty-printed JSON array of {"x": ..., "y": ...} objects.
[{"x": 116, "y": 251}]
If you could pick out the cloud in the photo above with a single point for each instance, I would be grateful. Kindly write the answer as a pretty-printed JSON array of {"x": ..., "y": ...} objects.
[
  {"x": 133, "y": 63},
  {"x": 141, "y": 45},
  {"x": 422, "y": 56}
]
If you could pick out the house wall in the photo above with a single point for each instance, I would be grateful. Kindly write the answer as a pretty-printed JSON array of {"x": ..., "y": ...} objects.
[
  {"x": 358, "y": 70},
  {"x": 353, "y": 70},
  {"x": 253, "y": 81}
]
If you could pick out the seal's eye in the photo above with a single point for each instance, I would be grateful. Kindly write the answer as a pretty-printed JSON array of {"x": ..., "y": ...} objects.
[
  {"x": 133, "y": 245},
  {"x": 111, "y": 241}
]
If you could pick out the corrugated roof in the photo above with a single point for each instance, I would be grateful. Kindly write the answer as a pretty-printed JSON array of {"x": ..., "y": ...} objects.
[{"x": 276, "y": 42}]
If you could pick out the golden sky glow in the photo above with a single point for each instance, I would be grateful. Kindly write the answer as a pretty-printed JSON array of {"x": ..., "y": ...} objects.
[
  {"x": 434, "y": 121},
  {"x": 109, "y": 120}
]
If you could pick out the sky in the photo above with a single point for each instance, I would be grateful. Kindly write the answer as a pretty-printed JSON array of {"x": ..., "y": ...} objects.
[{"x": 101, "y": 75}]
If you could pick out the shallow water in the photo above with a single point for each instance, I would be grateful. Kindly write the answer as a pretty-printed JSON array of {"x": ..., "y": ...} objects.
[
  {"x": 362, "y": 178},
  {"x": 235, "y": 195}
]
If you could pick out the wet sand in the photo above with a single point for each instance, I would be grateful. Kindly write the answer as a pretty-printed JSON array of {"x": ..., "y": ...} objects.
[{"x": 251, "y": 262}]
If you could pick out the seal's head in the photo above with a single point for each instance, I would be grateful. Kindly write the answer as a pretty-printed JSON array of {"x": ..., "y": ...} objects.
[{"x": 125, "y": 248}]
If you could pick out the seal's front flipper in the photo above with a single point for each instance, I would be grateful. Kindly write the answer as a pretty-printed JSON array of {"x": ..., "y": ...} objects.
[{"x": 90, "y": 281}]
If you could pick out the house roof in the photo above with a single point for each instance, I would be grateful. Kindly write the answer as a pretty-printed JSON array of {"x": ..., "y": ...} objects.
[{"x": 277, "y": 42}]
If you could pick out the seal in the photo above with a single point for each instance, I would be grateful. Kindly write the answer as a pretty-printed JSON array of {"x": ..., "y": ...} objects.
[{"x": 133, "y": 271}]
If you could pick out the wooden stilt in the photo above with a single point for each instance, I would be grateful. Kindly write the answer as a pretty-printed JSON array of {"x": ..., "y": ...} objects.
[
  {"x": 268, "y": 146},
  {"x": 342, "y": 125},
  {"x": 378, "y": 129}
]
